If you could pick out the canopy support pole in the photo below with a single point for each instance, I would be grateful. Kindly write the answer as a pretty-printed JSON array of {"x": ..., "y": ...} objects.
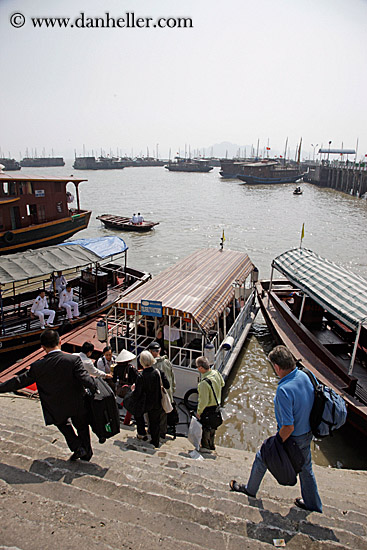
[
  {"x": 355, "y": 349},
  {"x": 302, "y": 307},
  {"x": 270, "y": 283}
]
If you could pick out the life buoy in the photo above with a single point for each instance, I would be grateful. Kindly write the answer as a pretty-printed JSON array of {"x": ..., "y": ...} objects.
[
  {"x": 8, "y": 237},
  {"x": 190, "y": 404}
]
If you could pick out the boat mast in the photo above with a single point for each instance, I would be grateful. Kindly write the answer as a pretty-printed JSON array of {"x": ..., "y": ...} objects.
[{"x": 285, "y": 151}]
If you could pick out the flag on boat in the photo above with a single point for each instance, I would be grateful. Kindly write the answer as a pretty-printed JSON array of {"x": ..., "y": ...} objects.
[{"x": 302, "y": 232}]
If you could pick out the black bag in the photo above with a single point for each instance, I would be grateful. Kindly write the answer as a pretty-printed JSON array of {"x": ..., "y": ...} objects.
[
  {"x": 104, "y": 418},
  {"x": 133, "y": 405},
  {"x": 172, "y": 417},
  {"x": 211, "y": 417}
]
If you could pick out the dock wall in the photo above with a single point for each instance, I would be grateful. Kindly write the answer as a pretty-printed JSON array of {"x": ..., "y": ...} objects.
[{"x": 351, "y": 180}]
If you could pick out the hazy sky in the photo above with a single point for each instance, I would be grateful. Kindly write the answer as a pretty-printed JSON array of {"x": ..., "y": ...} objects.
[{"x": 248, "y": 69}]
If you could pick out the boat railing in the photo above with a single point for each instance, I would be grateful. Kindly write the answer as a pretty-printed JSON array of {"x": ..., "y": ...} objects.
[{"x": 223, "y": 355}]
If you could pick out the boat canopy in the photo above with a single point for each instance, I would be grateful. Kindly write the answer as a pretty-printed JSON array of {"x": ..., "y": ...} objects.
[
  {"x": 339, "y": 291},
  {"x": 49, "y": 259},
  {"x": 103, "y": 247},
  {"x": 198, "y": 287}
]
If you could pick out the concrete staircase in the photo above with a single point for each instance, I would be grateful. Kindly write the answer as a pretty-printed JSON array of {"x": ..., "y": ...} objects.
[{"x": 133, "y": 496}]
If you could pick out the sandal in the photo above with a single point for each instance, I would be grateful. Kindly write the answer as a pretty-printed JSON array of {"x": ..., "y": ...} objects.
[{"x": 239, "y": 488}]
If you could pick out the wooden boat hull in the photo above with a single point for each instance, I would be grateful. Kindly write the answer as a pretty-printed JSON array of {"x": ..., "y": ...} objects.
[
  {"x": 45, "y": 234},
  {"x": 255, "y": 180},
  {"x": 123, "y": 224},
  {"x": 288, "y": 330}
]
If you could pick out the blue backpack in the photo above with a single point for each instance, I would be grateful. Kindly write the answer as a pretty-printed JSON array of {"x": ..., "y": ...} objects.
[{"x": 329, "y": 411}]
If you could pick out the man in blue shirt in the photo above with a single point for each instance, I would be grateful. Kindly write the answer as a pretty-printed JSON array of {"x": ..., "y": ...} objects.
[{"x": 292, "y": 404}]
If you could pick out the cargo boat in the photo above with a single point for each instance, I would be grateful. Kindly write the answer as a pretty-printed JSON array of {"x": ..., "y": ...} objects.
[
  {"x": 41, "y": 162},
  {"x": 269, "y": 172},
  {"x": 188, "y": 165}
]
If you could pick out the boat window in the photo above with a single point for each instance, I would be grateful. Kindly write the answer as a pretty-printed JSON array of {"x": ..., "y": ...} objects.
[
  {"x": 9, "y": 188},
  {"x": 41, "y": 213}
]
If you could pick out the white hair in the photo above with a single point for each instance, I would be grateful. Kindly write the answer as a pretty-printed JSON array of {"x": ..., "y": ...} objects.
[{"x": 146, "y": 359}]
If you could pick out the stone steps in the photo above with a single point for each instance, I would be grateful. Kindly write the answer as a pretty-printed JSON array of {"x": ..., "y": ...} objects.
[{"x": 158, "y": 497}]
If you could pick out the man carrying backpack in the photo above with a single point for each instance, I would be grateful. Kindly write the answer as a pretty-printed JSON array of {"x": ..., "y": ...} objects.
[{"x": 292, "y": 403}]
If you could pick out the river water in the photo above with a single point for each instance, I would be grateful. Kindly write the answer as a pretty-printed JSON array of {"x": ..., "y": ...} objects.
[{"x": 192, "y": 211}]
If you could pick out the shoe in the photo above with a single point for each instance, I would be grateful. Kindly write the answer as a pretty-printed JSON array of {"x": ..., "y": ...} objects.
[
  {"x": 79, "y": 453},
  {"x": 239, "y": 488},
  {"x": 87, "y": 457},
  {"x": 49, "y": 325},
  {"x": 42, "y": 327},
  {"x": 142, "y": 437},
  {"x": 300, "y": 503},
  {"x": 205, "y": 450}
]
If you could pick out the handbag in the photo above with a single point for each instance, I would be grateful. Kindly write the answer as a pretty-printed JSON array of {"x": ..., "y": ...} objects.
[
  {"x": 211, "y": 417},
  {"x": 165, "y": 401},
  {"x": 133, "y": 405}
]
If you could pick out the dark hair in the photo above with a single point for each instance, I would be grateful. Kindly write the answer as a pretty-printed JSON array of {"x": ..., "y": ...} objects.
[
  {"x": 202, "y": 362},
  {"x": 87, "y": 347},
  {"x": 282, "y": 357},
  {"x": 50, "y": 338},
  {"x": 107, "y": 348}
]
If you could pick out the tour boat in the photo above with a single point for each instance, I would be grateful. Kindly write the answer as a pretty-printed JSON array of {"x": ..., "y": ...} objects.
[
  {"x": 36, "y": 211},
  {"x": 96, "y": 269},
  {"x": 319, "y": 311}
]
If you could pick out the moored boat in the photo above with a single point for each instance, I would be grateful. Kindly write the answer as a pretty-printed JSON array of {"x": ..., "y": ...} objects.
[
  {"x": 36, "y": 211},
  {"x": 203, "y": 305},
  {"x": 320, "y": 313},
  {"x": 125, "y": 224},
  {"x": 188, "y": 165},
  {"x": 269, "y": 172},
  {"x": 96, "y": 269},
  {"x": 41, "y": 162}
]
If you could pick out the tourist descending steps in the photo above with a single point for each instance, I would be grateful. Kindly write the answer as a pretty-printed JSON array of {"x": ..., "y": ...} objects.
[
  {"x": 210, "y": 395},
  {"x": 292, "y": 403},
  {"x": 61, "y": 379}
]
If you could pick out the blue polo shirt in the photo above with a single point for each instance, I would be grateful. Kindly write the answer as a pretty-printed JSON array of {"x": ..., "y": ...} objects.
[{"x": 293, "y": 401}]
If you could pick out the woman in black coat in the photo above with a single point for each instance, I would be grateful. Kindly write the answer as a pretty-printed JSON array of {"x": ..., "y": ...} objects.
[{"x": 148, "y": 389}]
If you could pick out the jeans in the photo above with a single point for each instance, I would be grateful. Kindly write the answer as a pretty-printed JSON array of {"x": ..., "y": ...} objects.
[{"x": 307, "y": 479}]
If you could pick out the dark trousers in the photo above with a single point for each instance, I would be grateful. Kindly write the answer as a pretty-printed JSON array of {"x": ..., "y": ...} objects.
[
  {"x": 154, "y": 417},
  {"x": 207, "y": 439},
  {"x": 82, "y": 436}
]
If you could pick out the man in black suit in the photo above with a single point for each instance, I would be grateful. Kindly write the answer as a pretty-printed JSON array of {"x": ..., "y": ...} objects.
[{"x": 61, "y": 379}]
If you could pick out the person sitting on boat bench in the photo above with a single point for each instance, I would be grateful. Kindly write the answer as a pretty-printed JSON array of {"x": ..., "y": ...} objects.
[
  {"x": 140, "y": 218},
  {"x": 40, "y": 309},
  {"x": 67, "y": 302},
  {"x": 85, "y": 355},
  {"x": 134, "y": 219},
  {"x": 60, "y": 282}
]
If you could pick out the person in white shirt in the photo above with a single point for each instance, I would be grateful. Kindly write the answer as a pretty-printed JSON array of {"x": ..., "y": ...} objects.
[
  {"x": 40, "y": 309},
  {"x": 60, "y": 282},
  {"x": 104, "y": 363},
  {"x": 134, "y": 219},
  {"x": 140, "y": 218},
  {"x": 67, "y": 302},
  {"x": 85, "y": 355}
]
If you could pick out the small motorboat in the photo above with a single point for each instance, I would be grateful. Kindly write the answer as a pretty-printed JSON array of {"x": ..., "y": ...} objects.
[
  {"x": 297, "y": 191},
  {"x": 125, "y": 224}
]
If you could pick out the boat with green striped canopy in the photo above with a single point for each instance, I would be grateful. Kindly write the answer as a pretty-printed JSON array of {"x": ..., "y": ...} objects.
[{"x": 319, "y": 311}]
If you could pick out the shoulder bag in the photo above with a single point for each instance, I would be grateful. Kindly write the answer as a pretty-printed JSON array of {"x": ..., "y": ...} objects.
[
  {"x": 211, "y": 417},
  {"x": 165, "y": 401}
]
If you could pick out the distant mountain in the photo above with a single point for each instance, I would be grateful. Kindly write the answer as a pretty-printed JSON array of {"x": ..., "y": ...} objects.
[{"x": 228, "y": 149}]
